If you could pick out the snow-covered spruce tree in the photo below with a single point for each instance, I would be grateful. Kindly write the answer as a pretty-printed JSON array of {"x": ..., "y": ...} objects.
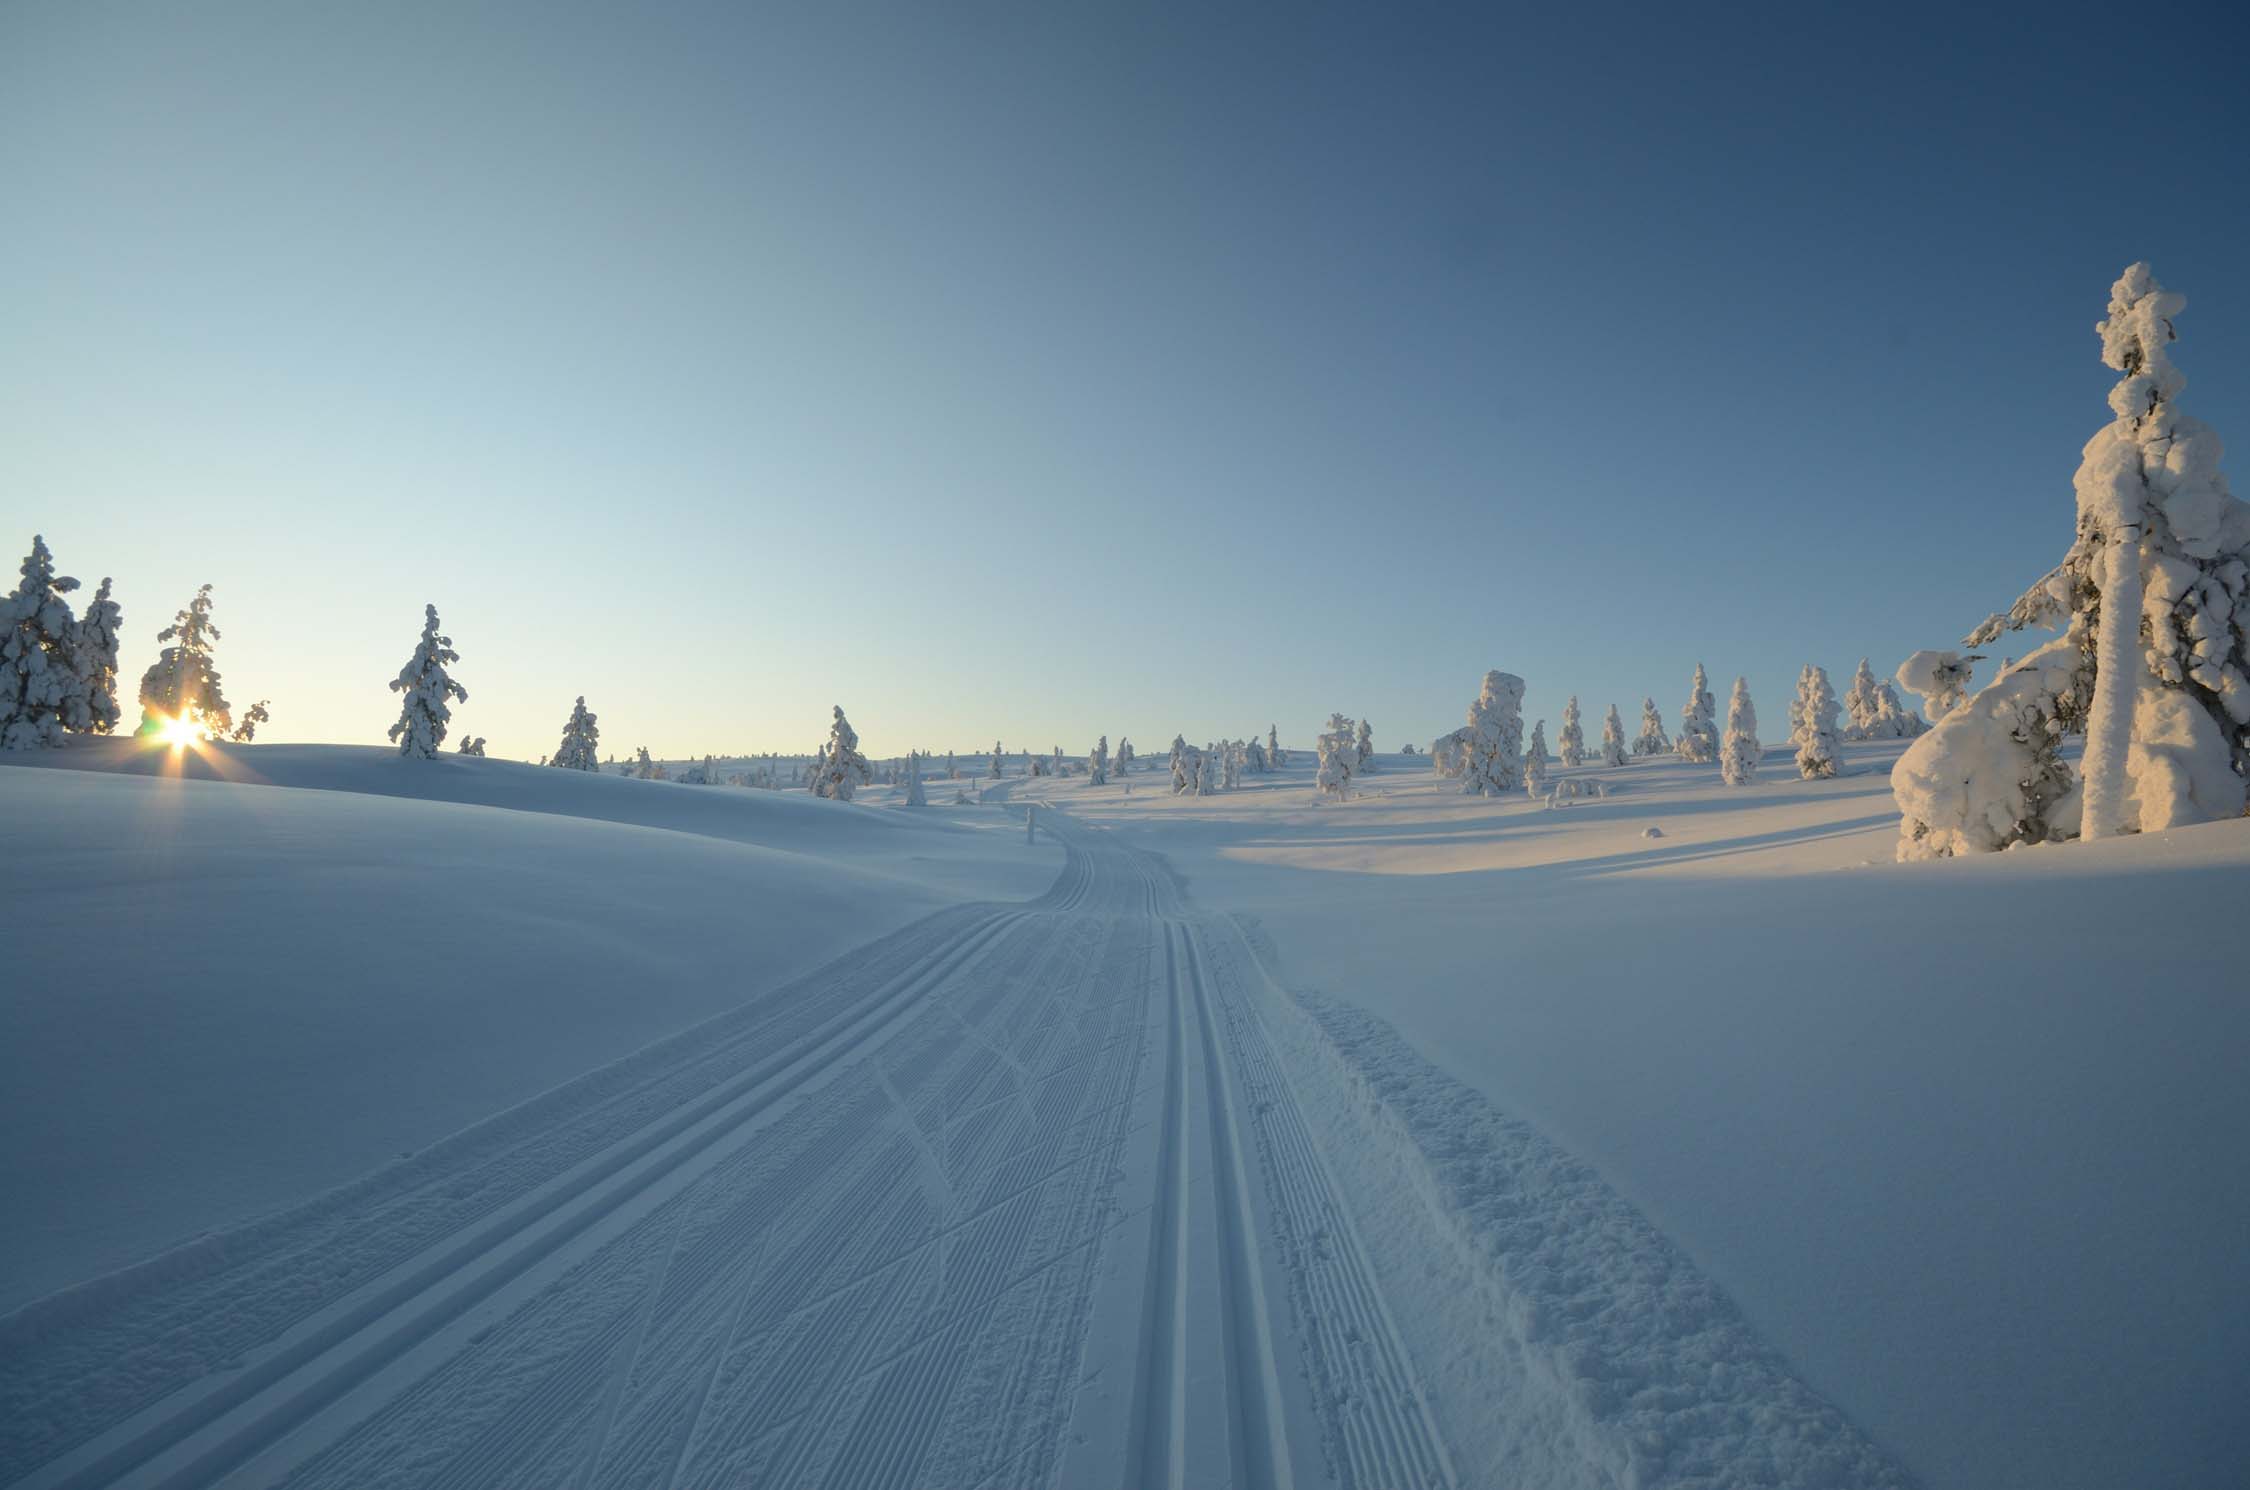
[
  {"x": 40, "y": 686},
  {"x": 1814, "y": 716},
  {"x": 1613, "y": 738},
  {"x": 1449, "y": 754},
  {"x": 998, "y": 755},
  {"x": 427, "y": 689},
  {"x": 1034, "y": 765},
  {"x": 1254, "y": 755},
  {"x": 1739, "y": 750},
  {"x": 1699, "y": 738},
  {"x": 1097, "y": 763},
  {"x": 1863, "y": 704},
  {"x": 1535, "y": 773},
  {"x": 183, "y": 682},
  {"x": 1939, "y": 678},
  {"x": 254, "y": 716},
  {"x": 644, "y": 769},
  {"x": 92, "y": 708},
  {"x": 1651, "y": 740},
  {"x": 1055, "y": 762},
  {"x": 843, "y": 770},
  {"x": 1492, "y": 740},
  {"x": 915, "y": 796},
  {"x": 579, "y": 738},
  {"x": 1893, "y": 720},
  {"x": 1538, "y": 744},
  {"x": 1571, "y": 743},
  {"x": 1183, "y": 772},
  {"x": 1230, "y": 774},
  {"x": 1365, "y": 746},
  {"x": 1339, "y": 753},
  {"x": 1274, "y": 753},
  {"x": 472, "y": 745},
  {"x": 2154, "y": 662},
  {"x": 1124, "y": 756},
  {"x": 1207, "y": 771}
]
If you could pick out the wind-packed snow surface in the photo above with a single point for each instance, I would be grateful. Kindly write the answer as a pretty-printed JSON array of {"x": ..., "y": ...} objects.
[{"x": 1263, "y": 1137}]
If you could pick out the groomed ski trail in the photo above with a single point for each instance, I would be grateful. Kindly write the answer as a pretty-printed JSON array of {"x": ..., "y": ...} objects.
[{"x": 1015, "y": 1196}]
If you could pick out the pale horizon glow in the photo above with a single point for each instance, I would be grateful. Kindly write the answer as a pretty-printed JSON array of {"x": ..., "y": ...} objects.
[{"x": 1043, "y": 374}]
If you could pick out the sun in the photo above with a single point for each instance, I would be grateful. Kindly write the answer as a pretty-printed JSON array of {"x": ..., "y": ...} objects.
[{"x": 182, "y": 732}]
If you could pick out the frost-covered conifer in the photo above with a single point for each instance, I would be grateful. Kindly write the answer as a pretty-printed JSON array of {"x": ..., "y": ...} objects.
[
  {"x": 1571, "y": 743},
  {"x": 1613, "y": 738},
  {"x": 1449, "y": 754},
  {"x": 1339, "y": 753},
  {"x": 1538, "y": 744},
  {"x": 644, "y": 769},
  {"x": 842, "y": 769},
  {"x": 1254, "y": 755},
  {"x": 1939, "y": 678},
  {"x": 1033, "y": 765},
  {"x": 1274, "y": 753},
  {"x": 1652, "y": 740},
  {"x": 427, "y": 688},
  {"x": 254, "y": 716},
  {"x": 1124, "y": 756},
  {"x": 1491, "y": 740},
  {"x": 1209, "y": 770},
  {"x": 1183, "y": 772},
  {"x": 997, "y": 756},
  {"x": 1893, "y": 720},
  {"x": 1739, "y": 750},
  {"x": 40, "y": 685},
  {"x": 1862, "y": 704},
  {"x": 2154, "y": 665},
  {"x": 472, "y": 745},
  {"x": 1699, "y": 738},
  {"x": 1365, "y": 746},
  {"x": 1814, "y": 717},
  {"x": 580, "y": 737},
  {"x": 93, "y": 657},
  {"x": 1230, "y": 765},
  {"x": 915, "y": 796},
  {"x": 1097, "y": 763},
  {"x": 1535, "y": 770},
  {"x": 183, "y": 682}
]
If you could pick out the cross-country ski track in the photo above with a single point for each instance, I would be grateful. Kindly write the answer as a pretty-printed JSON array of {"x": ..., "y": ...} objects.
[{"x": 1060, "y": 1193}]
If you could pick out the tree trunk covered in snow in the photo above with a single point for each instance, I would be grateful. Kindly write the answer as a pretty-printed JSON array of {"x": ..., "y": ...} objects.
[
  {"x": 2154, "y": 664},
  {"x": 2117, "y": 677}
]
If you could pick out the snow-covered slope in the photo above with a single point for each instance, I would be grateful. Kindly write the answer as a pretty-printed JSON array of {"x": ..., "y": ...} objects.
[
  {"x": 1964, "y": 1140},
  {"x": 1673, "y": 1137},
  {"x": 222, "y": 996}
]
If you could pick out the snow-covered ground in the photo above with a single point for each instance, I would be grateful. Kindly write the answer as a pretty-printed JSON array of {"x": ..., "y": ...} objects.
[
  {"x": 224, "y": 997},
  {"x": 1411, "y": 1140},
  {"x": 1964, "y": 1140}
]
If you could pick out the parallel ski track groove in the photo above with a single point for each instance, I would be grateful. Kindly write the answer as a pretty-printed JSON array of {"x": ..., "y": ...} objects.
[
  {"x": 460, "y": 1258},
  {"x": 864, "y": 1253}
]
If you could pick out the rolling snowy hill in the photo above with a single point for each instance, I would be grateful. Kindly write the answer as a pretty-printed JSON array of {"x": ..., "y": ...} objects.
[{"x": 551, "y": 1127}]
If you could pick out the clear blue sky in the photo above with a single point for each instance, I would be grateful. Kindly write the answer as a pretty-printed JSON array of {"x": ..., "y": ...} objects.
[{"x": 1047, "y": 371}]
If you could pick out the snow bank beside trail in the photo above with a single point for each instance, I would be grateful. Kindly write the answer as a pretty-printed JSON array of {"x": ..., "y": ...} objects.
[
  {"x": 1622, "y": 1363},
  {"x": 223, "y": 998},
  {"x": 1972, "y": 1165}
]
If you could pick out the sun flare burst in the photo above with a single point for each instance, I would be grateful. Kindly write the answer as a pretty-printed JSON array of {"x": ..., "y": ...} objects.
[{"x": 182, "y": 733}]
